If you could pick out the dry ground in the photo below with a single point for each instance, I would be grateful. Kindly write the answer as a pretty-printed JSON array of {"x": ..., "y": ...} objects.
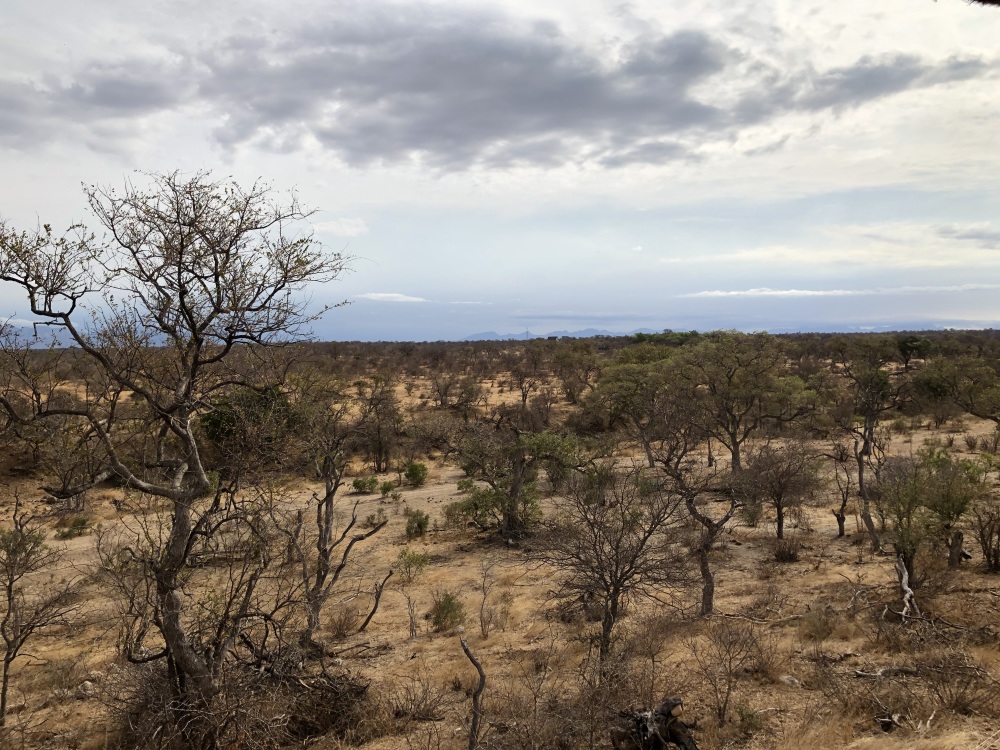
[{"x": 821, "y": 616}]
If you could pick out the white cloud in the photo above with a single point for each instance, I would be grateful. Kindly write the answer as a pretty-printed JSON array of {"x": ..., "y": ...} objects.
[
  {"x": 765, "y": 292},
  {"x": 343, "y": 227},
  {"x": 389, "y": 297}
]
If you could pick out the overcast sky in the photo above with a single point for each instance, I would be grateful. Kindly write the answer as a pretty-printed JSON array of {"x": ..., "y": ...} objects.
[{"x": 555, "y": 164}]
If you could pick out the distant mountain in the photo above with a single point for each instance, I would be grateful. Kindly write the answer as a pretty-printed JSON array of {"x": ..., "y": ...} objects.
[{"x": 586, "y": 333}]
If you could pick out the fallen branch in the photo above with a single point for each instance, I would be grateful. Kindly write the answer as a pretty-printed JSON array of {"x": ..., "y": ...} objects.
[{"x": 887, "y": 672}]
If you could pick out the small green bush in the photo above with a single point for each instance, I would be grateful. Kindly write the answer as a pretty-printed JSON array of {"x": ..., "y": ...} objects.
[
  {"x": 70, "y": 527},
  {"x": 447, "y": 611},
  {"x": 374, "y": 519},
  {"x": 365, "y": 485},
  {"x": 416, "y": 474},
  {"x": 386, "y": 487},
  {"x": 416, "y": 523},
  {"x": 411, "y": 564}
]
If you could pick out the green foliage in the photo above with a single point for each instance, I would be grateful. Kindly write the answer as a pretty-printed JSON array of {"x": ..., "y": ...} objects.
[
  {"x": 506, "y": 463},
  {"x": 411, "y": 564},
  {"x": 447, "y": 612},
  {"x": 247, "y": 419},
  {"x": 925, "y": 496},
  {"x": 417, "y": 522},
  {"x": 70, "y": 527},
  {"x": 483, "y": 506},
  {"x": 386, "y": 487},
  {"x": 365, "y": 485},
  {"x": 374, "y": 519},
  {"x": 416, "y": 474}
]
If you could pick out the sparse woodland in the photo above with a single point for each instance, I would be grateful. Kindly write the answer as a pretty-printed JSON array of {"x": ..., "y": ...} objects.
[{"x": 217, "y": 534}]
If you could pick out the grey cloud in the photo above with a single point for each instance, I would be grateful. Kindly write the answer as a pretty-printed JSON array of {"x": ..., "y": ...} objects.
[
  {"x": 460, "y": 90},
  {"x": 871, "y": 78},
  {"x": 98, "y": 96},
  {"x": 456, "y": 89},
  {"x": 984, "y": 235},
  {"x": 468, "y": 90}
]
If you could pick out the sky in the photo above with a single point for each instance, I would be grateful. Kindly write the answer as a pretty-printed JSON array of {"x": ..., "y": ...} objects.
[{"x": 549, "y": 165}]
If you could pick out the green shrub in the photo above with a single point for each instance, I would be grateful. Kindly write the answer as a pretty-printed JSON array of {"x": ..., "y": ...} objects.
[
  {"x": 386, "y": 487},
  {"x": 365, "y": 485},
  {"x": 411, "y": 564},
  {"x": 376, "y": 518},
  {"x": 416, "y": 523},
  {"x": 447, "y": 611},
  {"x": 70, "y": 527},
  {"x": 416, "y": 474}
]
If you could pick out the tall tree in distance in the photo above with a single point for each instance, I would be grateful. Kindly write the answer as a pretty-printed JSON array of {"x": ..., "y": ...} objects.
[
  {"x": 743, "y": 384},
  {"x": 872, "y": 390}
]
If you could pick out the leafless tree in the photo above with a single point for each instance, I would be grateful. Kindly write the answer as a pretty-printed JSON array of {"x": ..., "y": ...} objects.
[
  {"x": 780, "y": 476},
  {"x": 618, "y": 542},
  {"x": 29, "y": 606},
  {"x": 193, "y": 285}
]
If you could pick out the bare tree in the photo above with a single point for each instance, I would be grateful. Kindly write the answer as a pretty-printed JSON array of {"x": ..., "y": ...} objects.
[
  {"x": 619, "y": 542},
  {"x": 28, "y": 606},
  {"x": 780, "y": 476},
  {"x": 679, "y": 435},
  {"x": 730, "y": 649},
  {"x": 329, "y": 428},
  {"x": 195, "y": 282}
]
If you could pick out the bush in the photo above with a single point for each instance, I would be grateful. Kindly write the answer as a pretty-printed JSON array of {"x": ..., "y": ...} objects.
[
  {"x": 416, "y": 523},
  {"x": 411, "y": 564},
  {"x": 447, "y": 612},
  {"x": 365, "y": 485},
  {"x": 70, "y": 527},
  {"x": 786, "y": 550},
  {"x": 986, "y": 523},
  {"x": 416, "y": 474},
  {"x": 386, "y": 487},
  {"x": 374, "y": 519}
]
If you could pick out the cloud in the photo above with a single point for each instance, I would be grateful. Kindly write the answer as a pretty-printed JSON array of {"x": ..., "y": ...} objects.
[
  {"x": 342, "y": 227},
  {"x": 982, "y": 234},
  {"x": 457, "y": 88},
  {"x": 389, "y": 297},
  {"x": 765, "y": 292}
]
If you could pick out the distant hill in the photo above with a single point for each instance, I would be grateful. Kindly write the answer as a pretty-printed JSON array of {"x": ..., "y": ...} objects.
[{"x": 525, "y": 335}]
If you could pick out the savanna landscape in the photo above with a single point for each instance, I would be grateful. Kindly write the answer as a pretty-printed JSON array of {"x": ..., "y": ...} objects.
[{"x": 218, "y": 533}]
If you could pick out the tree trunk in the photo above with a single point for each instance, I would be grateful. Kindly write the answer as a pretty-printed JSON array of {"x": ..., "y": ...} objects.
[
  {"x": 734, "y": 450},
  {"x": 476, "y": 697},
  {"x": 707, "y": 581},
  {"x": 955, "y": 549},
  {"x": 841, "y": 519},
  {"x": 780, "y": 508},
  {"x": 4, "y": 687},
  {"x": 866, "y": 515},
  {"x": 607, "y": 626}
]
